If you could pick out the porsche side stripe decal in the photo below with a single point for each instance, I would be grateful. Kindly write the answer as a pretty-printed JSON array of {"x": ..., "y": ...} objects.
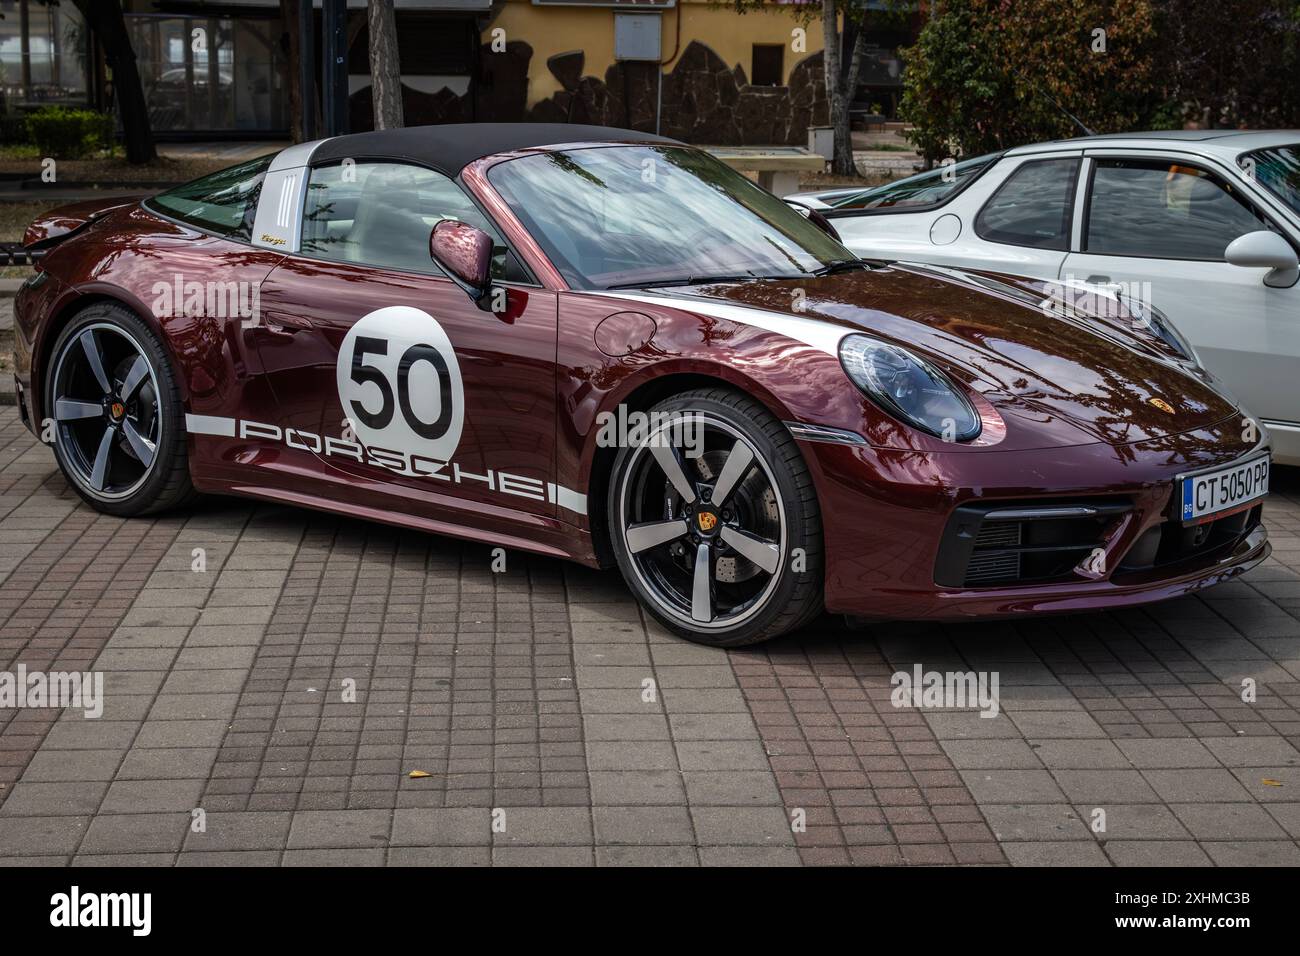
[
  {"x": 567, "y": 499},
  {"x": 210, "y": 425},
  {"x": 420, "y": 466},
  {"x": 823, "y": 336}
]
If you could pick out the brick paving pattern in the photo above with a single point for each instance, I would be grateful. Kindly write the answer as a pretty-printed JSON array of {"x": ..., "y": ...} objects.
[{"x": 269, "y": 709}]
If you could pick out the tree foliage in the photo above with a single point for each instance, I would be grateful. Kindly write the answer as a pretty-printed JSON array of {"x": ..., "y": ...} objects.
[
  {"x": 986, "y": 75},
  {"x": 1233, "y": 64}
]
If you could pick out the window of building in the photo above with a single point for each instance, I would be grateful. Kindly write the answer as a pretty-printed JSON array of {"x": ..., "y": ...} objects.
[
  {"x": 211, "y": 73},
  {"x": 42, "y": 56},
  {"x": 768, "y": 65}
]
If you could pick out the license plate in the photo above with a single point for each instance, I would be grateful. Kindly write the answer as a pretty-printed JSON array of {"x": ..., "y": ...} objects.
[{"x": 1212, "y": 494}]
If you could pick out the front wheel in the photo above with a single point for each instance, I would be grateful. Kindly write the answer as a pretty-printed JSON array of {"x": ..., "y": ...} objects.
[
  {"x": 119, "y": 433},
  {"x": 714, "y": 521}
]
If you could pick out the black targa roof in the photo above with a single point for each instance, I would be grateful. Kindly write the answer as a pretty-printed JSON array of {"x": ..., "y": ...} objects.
[{"x": 452, "y": 147}]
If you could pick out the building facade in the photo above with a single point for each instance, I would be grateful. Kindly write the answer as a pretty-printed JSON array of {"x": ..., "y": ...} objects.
[{"x": 691, "y": 69}]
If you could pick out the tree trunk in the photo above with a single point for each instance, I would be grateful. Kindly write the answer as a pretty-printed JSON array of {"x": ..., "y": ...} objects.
[
  {"x": 855, "y": 61},
  {"x": 105, "y": 20},
  {"x": 385, "y": 67},
  {"x": 842, "y": 161}
]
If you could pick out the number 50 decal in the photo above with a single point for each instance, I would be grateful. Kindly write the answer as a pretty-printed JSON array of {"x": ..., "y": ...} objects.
[{"x": 399, "y": 383}]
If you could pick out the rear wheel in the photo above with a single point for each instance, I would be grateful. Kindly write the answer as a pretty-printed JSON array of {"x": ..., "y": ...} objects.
[
  {"x": 714, "y": 521},
  {"x": 119, "y": 433}
]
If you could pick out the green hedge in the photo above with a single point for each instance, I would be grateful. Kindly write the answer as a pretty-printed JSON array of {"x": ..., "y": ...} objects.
[
  {"x": 13, "y": 130},
  {"x": 64, "y": 133}
]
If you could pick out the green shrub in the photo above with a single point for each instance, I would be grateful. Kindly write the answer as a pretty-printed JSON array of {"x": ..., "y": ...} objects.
[
  {"x": 13, "y": 130},
  {"x": 64, "y": 133},
  {"x": 987, "y": 75}
]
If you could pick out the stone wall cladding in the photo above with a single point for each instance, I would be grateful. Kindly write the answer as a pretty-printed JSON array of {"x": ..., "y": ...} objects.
[{"x": 704, "y": 100}]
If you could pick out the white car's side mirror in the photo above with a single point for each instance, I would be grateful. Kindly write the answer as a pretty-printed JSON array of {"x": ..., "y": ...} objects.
[{"x": 1267, "y": 250}]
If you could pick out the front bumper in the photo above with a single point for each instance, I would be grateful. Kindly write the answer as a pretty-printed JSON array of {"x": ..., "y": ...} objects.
[{"x": 889, "y": 549}]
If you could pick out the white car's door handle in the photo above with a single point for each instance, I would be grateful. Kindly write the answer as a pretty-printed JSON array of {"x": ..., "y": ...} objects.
[{"x": 1099, "y": 279}]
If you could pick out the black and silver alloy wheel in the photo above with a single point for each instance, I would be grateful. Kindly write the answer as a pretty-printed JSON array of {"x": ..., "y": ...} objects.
[
  {"x": 703, "y": 528},
  {"x": 704, "y": 525},
  {"x": 106, "y": 411},
  {"x": 118, "y": 422}
]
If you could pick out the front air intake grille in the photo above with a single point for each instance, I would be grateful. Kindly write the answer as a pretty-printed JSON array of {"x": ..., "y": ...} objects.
[
  {"x": 992, "y": 567},
  {"x": 1171, "y": 542},
  {"x": 1012, "y": 543},
  {"x": 1001, "y": 534}
]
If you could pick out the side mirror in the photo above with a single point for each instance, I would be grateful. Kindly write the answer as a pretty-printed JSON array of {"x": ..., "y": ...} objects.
[
  {"x": 466, "y": 253},
  {"x": 1266, "y": 250},
  {"x": 813, "y": 216}
]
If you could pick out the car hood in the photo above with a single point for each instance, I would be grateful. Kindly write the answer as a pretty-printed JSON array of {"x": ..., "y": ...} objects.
[{"x": 1056, "y": 379}]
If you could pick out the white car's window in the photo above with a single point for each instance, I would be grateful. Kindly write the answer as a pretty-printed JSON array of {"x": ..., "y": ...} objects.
[
  {"x": 1033, "y": 207},
  {"x": 1277, "y": 170},
  {"x": 1163, "y": 210},
  {"x": 381, "y": 214},
  {"x": 915, "y": 192}
]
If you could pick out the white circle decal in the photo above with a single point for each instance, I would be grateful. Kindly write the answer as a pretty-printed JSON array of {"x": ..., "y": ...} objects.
[{"x": 400, "y": 385}]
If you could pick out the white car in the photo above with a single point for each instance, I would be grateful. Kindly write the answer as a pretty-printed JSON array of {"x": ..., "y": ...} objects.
[{"x": 1204, "y": 225}]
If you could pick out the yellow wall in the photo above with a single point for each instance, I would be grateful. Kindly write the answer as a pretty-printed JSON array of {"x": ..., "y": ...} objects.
[{"x": 550, "y": 30}]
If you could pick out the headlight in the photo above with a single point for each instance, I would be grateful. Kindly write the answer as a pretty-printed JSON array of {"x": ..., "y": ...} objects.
[
  {"x": 1164, "y": 329},
  {"x": 909, "y": 388}
]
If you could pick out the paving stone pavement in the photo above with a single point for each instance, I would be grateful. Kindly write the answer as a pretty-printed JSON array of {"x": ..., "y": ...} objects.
[{"x": 273, "y": 676}]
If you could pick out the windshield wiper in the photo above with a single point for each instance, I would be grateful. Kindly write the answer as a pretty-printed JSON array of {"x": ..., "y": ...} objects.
[
  {"x": 684, "y": 280},
  {"x": 843, "y": 265}
]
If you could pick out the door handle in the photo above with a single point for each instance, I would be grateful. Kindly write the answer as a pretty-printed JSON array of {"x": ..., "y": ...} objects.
[
  {"x": 1099, "y": 279},
  {"x": 285, "y": 322}
]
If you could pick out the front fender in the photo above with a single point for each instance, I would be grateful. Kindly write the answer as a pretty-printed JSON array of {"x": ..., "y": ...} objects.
[{"x": 793, "y": 380}]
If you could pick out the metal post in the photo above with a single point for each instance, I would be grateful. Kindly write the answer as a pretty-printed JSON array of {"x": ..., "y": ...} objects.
[
  {"x": 307, "y": 69},
  {"x": 659, "y": 98},
  {"x": 334, "y": 66},
  {"x": 25, "y": 48}
]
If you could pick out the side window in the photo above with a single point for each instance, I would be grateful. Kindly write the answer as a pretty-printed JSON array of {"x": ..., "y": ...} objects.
[
  {"x": 381, "y": 214},
  {"x": 1033, "y": 207},
  {"x": 1162, "y": 210},
  {"x": 916, "y": 192},
  {"x": 224, "y": 202}
]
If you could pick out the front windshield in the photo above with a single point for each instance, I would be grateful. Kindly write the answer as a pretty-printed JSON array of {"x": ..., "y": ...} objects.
[
  {"x": 628, "y": 216},
  {"x": 1278, "y": 170}
]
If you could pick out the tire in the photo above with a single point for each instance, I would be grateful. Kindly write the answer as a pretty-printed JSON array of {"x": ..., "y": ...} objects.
[
  {"x": 130, "y": 458},
  {"x": 723, "y": 573}
]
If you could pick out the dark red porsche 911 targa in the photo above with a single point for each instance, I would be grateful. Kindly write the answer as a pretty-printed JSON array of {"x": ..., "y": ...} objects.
[{"x": 609, "y": 347}]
